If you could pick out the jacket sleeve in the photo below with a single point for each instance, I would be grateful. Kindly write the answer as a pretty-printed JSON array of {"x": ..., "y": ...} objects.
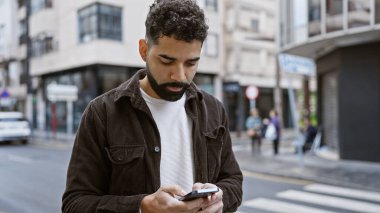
[
  {"x": 230, "y": 177},
  {"x": 89, "y": 171}
]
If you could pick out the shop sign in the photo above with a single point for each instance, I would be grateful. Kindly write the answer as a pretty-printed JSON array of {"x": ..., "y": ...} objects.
[
  {"x": 60, "y": 92},
  {"x": 297, "y": 64}
]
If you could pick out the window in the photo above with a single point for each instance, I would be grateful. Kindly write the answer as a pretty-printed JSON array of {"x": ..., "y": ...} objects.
[
  {"x": 314, "y": 18},
  {"x": 334, "y": 15},
  {"x": 22, "y": 36},
  {"x": 255, "y": 25},
  {"x": 100, "y": 21},
  {"x": 37, "y": 5},
  {"x": 41, "y": 46},
  {"x": 212, "y": 5},
  {"x": 358, "y": 13},
  {"x": 21, "y": 3},
  {"x": 377, "y": 12},
  {"x": 211, "y": 45}
]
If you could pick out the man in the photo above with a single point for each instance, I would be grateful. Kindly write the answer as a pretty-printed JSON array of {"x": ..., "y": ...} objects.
[{"x": 157, "y": 136}]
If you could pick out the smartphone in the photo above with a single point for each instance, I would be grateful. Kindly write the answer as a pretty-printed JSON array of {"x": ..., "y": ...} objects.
[{"x": 199, "y": 193}]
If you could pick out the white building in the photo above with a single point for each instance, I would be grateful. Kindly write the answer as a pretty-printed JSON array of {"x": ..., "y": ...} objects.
[
  {"x": 250, "y": 59},
  {"x": 11, "y": 78},
  {"x": 343, "y": 36},
  {"x": 93, "y": 46}
]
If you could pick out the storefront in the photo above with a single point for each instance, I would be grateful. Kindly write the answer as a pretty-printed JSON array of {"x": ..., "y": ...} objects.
[{"x": 90, "y": 82}]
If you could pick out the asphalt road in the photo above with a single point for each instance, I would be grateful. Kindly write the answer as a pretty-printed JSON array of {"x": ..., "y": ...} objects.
[{"x": 32, "y": 180}]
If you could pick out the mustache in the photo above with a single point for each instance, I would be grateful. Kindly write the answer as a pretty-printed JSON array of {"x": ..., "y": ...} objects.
[{"x": 175, "y": 84}]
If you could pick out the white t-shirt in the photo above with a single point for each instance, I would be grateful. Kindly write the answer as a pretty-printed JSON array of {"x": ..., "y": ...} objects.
[{"x": 175, "y": 129}]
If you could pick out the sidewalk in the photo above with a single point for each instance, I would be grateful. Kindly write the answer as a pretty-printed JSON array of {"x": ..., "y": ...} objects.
[{"x": 321, "y": 168}]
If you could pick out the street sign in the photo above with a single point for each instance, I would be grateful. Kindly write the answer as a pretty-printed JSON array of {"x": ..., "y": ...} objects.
[
  {"x": 5, "y": 94},
  {"x": 252, "y": 92},
  {"x": 297, "y": 64},
  {"x": 59, "y": 92}
]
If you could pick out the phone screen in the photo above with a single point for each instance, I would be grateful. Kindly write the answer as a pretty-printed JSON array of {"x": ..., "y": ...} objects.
[{"x": 199, "y": 193}]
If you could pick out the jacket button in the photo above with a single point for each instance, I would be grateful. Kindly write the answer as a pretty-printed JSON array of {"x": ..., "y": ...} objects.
[{"x": 157, "y": 149}]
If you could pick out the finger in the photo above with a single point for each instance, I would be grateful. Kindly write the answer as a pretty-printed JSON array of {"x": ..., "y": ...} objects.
[
  {"x": 198, "y": 186},
  {"x": 216, "y": 207},
  {"x": 173, "y": 190},
  {"x": 191, "y": 205}
]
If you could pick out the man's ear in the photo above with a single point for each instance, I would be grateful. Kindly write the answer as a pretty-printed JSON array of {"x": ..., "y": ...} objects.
[{"x": 143, "y": 49}]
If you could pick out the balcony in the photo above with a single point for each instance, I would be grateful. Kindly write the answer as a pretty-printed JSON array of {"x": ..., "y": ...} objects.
[{"x": 333, "y": 24}]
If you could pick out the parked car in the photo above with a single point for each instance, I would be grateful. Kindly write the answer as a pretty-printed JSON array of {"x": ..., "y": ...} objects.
[{"x": 14, "y": 127}]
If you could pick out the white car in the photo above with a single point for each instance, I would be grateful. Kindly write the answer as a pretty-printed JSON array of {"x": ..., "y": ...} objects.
[{"x": 14, "y": 127}]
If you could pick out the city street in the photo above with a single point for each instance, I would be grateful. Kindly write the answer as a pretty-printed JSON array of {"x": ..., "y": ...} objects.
[
  {"x": 264, "y": 194},
  {"x": 33, "y": 179}
]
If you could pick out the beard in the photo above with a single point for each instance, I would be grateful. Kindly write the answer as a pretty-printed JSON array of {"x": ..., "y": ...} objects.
[{"x": 162, "y": 89}]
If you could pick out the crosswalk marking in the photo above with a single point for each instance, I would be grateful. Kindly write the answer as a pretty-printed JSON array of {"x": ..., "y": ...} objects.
[
  {"x": 330, "y": 201},
  {"x": 340, "y": 191},
  {"x": 280, "y": 207}
]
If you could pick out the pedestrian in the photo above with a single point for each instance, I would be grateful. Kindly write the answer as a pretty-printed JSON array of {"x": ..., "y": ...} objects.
[
  {"x": 157, "y": 135},
  {"x": 275, "y": 122},
  {"x": 254, "y": 126},
  {"x": 309, "y": 132}
]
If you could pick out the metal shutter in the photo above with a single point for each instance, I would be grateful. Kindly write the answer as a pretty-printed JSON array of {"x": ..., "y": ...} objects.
[{"x": 330, "y": 109}]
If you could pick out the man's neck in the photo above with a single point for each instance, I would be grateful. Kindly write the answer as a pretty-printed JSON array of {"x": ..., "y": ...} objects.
[{"x": 145, "y": 85}]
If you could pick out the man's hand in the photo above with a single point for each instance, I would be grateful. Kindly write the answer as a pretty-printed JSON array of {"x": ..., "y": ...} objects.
[
  {"x": 164, "y": 200},
  {"x": 213, "y": 203}
]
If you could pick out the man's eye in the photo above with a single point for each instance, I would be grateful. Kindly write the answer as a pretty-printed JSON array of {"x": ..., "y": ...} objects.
[
  {"x": 166, "y": 62},
  {"x": 191, "y": 64}
]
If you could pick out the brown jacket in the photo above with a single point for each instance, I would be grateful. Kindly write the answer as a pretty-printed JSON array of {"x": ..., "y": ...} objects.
[{"x": 116, "y": 156}]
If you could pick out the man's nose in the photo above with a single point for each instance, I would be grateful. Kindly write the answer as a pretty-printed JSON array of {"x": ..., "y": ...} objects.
[{"x": 179, "y": 74}]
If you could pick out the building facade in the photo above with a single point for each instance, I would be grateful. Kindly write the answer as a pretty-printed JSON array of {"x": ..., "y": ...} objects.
[
  {"x": 250, "y": 60},
  {"x": 12, "y": 80},
  {"x": 343, "y": 36},
  {"x": 81, "y": 49}
]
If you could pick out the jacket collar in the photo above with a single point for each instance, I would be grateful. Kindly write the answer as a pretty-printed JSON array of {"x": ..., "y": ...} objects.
[{"x": 131, "y": 89}]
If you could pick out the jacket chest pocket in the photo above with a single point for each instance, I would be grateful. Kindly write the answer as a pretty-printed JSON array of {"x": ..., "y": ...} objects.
[
  {"x": 214, "y": 141},
  {"x": 128, "y": 169}
]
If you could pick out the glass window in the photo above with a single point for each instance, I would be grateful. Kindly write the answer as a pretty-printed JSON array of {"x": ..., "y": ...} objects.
[
  {"x": 314, "y": 27},
  {"x": 334, "y": 15},
  {"x": 37, "y": 5},
  {"x": 211, "y": 45},
  {"x": 255, "y": 25},
  {"x": 100, "y": 21},
  {"x": 205, "y": 82},
  {"x": 212, "y": 5},
  {"x": 41, "y": 46},
  {"x": 358, "y": 13},
  {"x": 377, "y": 12},
  {"x": 111, "y": 77},
  {"x": 22, "y": 34},
  {"x": 21, "y": 3}
]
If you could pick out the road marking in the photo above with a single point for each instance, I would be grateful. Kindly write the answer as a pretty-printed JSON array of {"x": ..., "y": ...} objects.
[
  {"x": 281, "y": 207},
  {"x": 330, "y": 201},
  {"x": 20, "y": 159},
  {"x": 346, "y": 192},
  {"x": 276, "y": 178}
]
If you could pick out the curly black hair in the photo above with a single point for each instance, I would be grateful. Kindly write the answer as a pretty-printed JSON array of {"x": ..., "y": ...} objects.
[{"x": 182, "y": 19}]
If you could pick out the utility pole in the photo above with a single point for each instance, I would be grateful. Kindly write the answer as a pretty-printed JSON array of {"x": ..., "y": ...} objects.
[
  {"x": 278, "y": 90},
  {"x": 29, "y": 98}
]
